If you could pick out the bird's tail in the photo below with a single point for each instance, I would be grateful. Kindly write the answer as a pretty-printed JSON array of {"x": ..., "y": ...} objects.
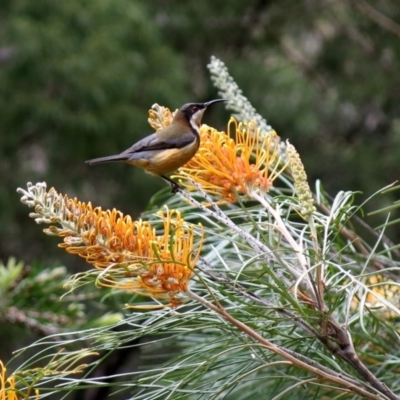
[{"x": 108, "y": 159}]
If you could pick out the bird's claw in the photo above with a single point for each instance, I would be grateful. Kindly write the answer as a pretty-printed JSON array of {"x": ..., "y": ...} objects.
[{"x": 175, "y": 188}]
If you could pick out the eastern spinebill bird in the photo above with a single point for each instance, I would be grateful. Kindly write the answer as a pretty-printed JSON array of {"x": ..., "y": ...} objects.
[{"x": 167, "y": 149}]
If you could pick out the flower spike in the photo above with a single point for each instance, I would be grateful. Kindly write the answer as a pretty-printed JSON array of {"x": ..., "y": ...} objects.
[
  {"x": 227, "y": 168},
  {"x": 129, "y": 254}
]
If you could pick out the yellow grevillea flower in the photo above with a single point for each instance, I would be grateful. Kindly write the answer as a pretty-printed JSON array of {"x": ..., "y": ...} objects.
[
  {"x": 131, "y": 254},
  {"x": 225, "y": 166},
  {"x": 229, "y": 167},
  {"x": 168, "y": 266},
  {"x": 381, "y": 294},
  {"x": 160, "y": 117},
  {"x": 8, "y": 390}
]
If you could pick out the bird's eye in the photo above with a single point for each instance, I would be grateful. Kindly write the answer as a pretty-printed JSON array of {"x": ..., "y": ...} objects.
[{"x": 195, "y": 109}]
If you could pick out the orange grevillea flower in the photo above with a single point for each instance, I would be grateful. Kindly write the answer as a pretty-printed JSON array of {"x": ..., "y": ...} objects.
[
  {"x": 225, "y": 166},
  {"x": 168, "y": 267},
  {"x": 8, "y": 390},
  {"x": 132, "y": 255},
  {"x": 228, "y": 167}
]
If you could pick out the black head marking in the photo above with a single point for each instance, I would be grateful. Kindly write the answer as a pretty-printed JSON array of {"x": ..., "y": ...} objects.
[{"x": 190, "y": 109}]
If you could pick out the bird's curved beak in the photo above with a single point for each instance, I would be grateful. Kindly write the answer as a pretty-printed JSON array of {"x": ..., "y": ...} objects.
[{"x": 213, "y": 101}]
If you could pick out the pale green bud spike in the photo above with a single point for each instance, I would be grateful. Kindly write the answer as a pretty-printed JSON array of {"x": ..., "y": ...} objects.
[
  {"x": 238, "y": 103},
  {"x": 300, "y": 181}
]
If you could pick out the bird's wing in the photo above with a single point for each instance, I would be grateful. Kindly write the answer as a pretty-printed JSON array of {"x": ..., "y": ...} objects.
[
  {"x": 154, "y": 142},
  {"x": 149, "y": 143}
]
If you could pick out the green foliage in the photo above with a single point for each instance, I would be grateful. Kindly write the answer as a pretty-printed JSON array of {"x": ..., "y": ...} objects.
[
  {"x": 286, "y": 298},
  {"x": 254, "y": 325},
  {"x": 77, "y": 80},
  {"x": 30, "y": 297}
]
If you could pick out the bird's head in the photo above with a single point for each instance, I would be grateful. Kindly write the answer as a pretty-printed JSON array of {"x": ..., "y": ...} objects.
[{"x": 193, "y": 112}]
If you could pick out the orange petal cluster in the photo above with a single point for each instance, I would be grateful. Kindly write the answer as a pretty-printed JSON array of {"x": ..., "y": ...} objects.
[
  {"x": 104, "y": 238},
  {"x": 132, "y": 255},
  {"x": 168, "y": 268},
  {"x": 229, "y": 167}
]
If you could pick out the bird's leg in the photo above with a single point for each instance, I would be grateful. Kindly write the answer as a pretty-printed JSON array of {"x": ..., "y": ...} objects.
[{"x": 174, "y": 186}]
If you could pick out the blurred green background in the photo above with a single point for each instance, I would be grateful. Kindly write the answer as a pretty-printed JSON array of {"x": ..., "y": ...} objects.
[{"x": 77, "y": 78}]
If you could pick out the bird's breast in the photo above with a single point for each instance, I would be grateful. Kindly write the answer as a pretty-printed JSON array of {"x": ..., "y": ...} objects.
[{"x": 160, "y": 162}]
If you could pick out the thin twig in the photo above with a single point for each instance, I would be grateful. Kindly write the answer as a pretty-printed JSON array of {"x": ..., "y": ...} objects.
[
  {"x": 344, "y": 348},
  {"x": 317, "y": 369},
  {"x": 382, "y": 20},
  {"x": 236, "y": 287}
]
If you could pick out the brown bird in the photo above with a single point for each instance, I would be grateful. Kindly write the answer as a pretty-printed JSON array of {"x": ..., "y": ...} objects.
[{"x": 167, "y": 149}]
